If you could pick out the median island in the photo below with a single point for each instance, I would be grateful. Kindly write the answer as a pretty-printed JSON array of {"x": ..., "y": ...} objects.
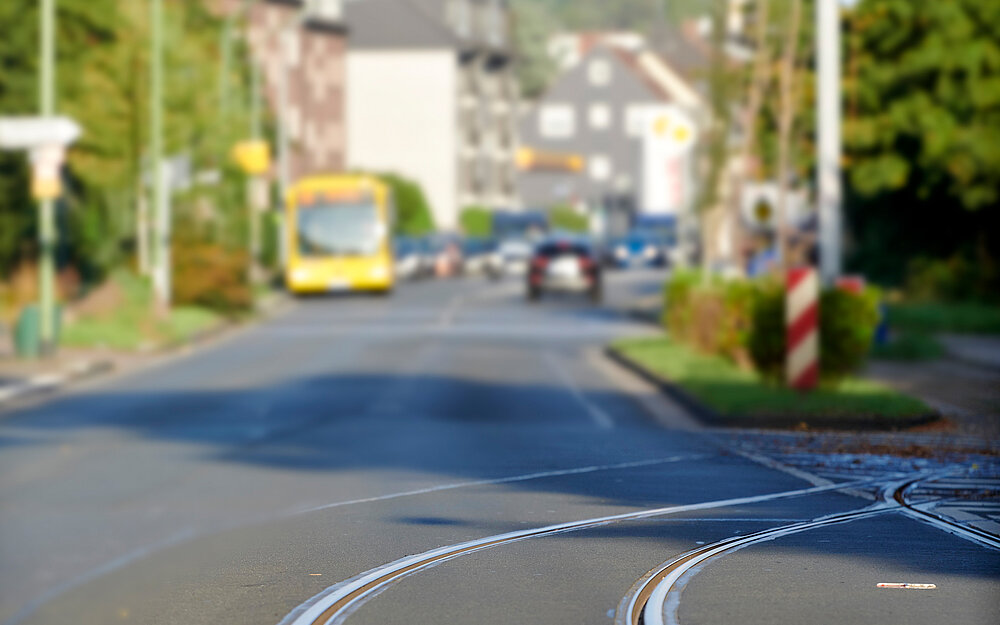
[
  {"x": 721, "y": 393},
  {"x": 723, "y": 354}
]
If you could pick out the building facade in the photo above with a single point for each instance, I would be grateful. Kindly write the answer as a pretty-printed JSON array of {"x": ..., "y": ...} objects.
[
  {"x": 430, "y": 95},
  {"x": 596, "y": 111},
  {"x": 300, "y": 48},
  {"x": 304, "y": 53}
]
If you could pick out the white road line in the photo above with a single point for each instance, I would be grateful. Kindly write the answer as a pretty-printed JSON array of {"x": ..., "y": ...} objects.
[
  {"x": 653, "y": 612},
  {"x": 364, "y": 586},
  {"x": 600, "y": 417},
  {"x": 448, "y": 316},
  {"x": 506, "y": 480}
]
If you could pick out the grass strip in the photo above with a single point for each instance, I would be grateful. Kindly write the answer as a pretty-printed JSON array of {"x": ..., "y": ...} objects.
[{"x": 741, "y": 398}]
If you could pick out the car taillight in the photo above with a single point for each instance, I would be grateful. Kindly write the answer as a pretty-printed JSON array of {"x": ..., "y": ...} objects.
[
  {"x": 540, "y": 262},
  {"x": 586, "y": 262}
]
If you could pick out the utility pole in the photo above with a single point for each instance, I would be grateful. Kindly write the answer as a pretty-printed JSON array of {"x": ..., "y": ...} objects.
[
  {"x": 47, "y": 218},
  {"x": 786, "y": 123},
  {"x": 257, "y": 188},
  {"x": 161, "y": 239},
  {"x": 829, "y": 142},
  {"x": 288, "y": 41}
]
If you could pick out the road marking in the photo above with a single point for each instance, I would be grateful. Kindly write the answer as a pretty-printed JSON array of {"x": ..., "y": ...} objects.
[
  {"x": 600, "y": 417},
  {"x": 656, "y": 597},
  {"x": 507, "y": 480},
  {"x": 653, "y": 609},
  {"x": 448, "y": 316},
  {"x": 338, "y": 601},
  {"x": 906, "y": 585}
]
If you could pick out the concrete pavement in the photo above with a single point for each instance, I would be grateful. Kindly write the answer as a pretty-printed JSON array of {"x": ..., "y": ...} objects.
[{"x": 234, "y": 485}]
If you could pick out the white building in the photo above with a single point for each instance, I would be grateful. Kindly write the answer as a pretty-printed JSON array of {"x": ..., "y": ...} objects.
[{"x": 431, "y": 96}]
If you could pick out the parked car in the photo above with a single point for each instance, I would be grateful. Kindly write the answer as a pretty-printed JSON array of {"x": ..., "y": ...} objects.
[
  {"x": 408, "y": 259},
  {"x": 481, "y": 257},
  {"x": 446, "y": 254},
  {"x": 514, "y": 256},
  {"x": 636, "y": 250},
  {"x": 566, "y": 265}
]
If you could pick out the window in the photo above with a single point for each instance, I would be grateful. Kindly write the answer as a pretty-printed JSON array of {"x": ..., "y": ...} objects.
[
  {"x": 557, "y": 121},
  {"x": 635, "y": 119},
  {"x": 328, "y": 10},
  {"x": 599, "y": 72},
  {"x": 600, "y": 116},
  {"x": 600, "y": 167}
]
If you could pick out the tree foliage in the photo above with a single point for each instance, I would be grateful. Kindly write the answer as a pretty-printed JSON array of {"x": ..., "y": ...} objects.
[
  {"x": 413, "y": 212},
  {"x": 923, "y": 100},
  {"x": 102, "y": 81},
  {"x": 922, "y": 136}
]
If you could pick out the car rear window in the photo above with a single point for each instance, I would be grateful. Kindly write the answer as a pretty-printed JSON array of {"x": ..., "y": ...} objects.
[{"x": 559, "y": 249}]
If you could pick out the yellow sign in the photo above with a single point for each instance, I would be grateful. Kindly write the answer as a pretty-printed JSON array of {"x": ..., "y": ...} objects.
[
  {"x": 253, "y": 157},
  {"x": 46, "y": 169},
  {"x": 528, "y": 159}
]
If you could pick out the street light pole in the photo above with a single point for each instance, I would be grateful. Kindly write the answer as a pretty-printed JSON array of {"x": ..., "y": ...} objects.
[
  {"x": 47, "y": 225},
  {"x": 829, "y": 142},
  {"x": 161, "y": 259}
]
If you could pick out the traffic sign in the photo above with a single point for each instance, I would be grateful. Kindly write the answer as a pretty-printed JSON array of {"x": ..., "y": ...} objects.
[
  {"x": 25, "y": 133},
  {"x": 253, "y": 157},
  {"x": 46, "y": 171}
]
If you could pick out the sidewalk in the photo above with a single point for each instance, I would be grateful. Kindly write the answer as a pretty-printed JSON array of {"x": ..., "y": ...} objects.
[
  {"x": 967, "y": 395},
  {"x": 21, "y": 379},
  {"x": 979, "y": 350}
]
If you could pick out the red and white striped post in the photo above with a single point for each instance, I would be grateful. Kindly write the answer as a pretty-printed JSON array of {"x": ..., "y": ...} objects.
[{"x": 802, "y": 328}]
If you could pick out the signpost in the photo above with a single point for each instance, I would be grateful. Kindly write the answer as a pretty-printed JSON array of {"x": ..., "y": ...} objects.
[
  {"x": 28, "y": 133},
  {"x": 46, "y": 139}
]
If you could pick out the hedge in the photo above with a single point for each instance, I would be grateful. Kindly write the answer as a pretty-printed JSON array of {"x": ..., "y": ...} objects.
[
  {"x": 744, "y": 321},
  {"x": 476, "y": 221}
]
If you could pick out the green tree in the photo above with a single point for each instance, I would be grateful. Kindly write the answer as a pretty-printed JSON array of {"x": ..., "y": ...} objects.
[
  {"x": 565, "y": 218},
  {"x": 533, "y": 25},
  {"x": 413, "y": 212},
  {"x": 924, "y": 99},
  {"x": 922, "y": 133},
  {"x": 102, "y": 71},
  {"x": 476, "y": 221}
]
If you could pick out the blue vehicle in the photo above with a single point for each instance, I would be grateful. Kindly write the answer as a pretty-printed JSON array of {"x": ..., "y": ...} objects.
[
  {"x": 637, "y": 249},
  {"x": 526, "y": 225}
]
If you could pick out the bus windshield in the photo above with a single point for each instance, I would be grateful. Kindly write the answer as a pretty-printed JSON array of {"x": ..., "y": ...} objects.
[{"x": 338, "y": 230}]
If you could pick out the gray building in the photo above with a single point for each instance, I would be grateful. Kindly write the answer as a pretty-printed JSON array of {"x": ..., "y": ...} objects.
[{"x": 594, "y": 109}]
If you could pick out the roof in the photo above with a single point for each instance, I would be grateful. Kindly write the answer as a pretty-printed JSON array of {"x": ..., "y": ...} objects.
[
  {"x": 684, "y": 51},
  {"x": 398, "y": 24}
]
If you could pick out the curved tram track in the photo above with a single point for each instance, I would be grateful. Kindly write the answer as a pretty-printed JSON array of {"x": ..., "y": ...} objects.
[{"x": 645, "y": 600}]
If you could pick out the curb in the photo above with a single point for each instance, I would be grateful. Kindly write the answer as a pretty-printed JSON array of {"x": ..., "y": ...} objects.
[
  {"x": 47, "y": 383},
  {"x": 711, "y": 418},
  {"x": 695, "y": 408}
]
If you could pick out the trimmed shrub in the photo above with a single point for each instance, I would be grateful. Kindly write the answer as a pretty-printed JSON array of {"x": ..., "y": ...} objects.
[
  {"x": 744, "y": 321},
  {"x": 766, "y": 338},
  {"x": 846, "y": 326},
  {"x": 712, "y": 318},
  {"x": 676, "y": 299},
  {"x": 566, "y": 218},
  {"x": 209, "y": 275},
  {"x": 476, "y": 221}
]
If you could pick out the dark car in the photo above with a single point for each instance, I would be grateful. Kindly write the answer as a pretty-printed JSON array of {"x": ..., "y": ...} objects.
[{"x": 564, "y": 265}]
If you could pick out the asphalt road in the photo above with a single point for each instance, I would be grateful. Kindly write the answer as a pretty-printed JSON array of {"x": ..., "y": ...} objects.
[{"x": 451, "y": 454}]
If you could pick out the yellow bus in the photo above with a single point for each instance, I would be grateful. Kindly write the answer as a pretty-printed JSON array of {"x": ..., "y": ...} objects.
[{"x": 338, "y": 230}]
